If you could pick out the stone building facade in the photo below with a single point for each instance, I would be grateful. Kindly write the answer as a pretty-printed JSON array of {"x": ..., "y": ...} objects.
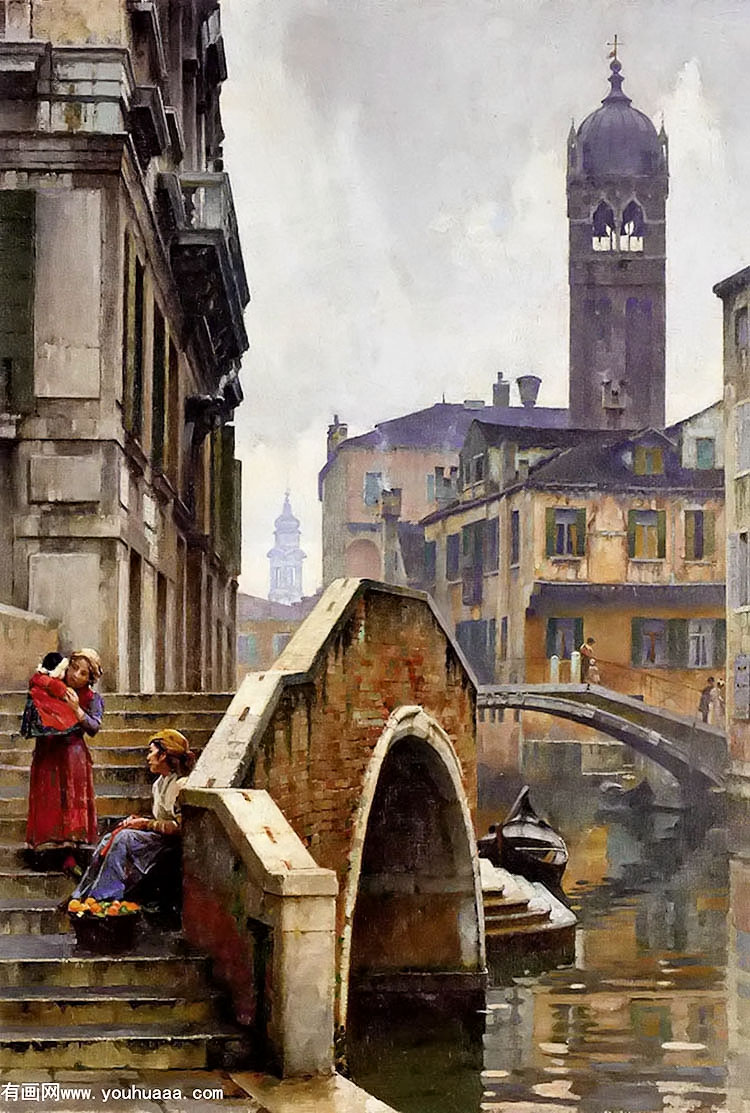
[
  {"x": 735, "y": 295},
  {"x": 613, "y": 536},
  {"x": 121, "y": 333}
]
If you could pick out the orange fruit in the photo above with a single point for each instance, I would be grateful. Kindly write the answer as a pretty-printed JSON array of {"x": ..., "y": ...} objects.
[{"x": 111, "y": 911}]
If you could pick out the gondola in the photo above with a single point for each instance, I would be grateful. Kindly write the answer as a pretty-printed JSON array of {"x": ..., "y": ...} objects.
[
  {"x": 616, "y": 797},
  {"x": 530, "y": 846}
]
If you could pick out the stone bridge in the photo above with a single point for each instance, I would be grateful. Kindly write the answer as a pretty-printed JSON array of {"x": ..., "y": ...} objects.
[
  {"x": 328, "y": 839},
  {"x": 690, "y": 750}
]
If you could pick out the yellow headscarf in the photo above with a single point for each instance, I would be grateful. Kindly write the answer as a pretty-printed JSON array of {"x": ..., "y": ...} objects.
[
  {"x": 171, "y": 741},
  {"x": 93, "y": 659}
]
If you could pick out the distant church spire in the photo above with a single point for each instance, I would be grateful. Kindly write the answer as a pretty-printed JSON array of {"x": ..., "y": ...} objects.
[{"x": 286, "y": 558}]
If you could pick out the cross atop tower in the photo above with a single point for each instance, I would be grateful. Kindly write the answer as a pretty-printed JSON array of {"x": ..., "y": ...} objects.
[{"x": 614, "y": 44}]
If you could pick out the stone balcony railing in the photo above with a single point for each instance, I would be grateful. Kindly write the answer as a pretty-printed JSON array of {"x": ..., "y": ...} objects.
[{"x": 199, "y": 221}]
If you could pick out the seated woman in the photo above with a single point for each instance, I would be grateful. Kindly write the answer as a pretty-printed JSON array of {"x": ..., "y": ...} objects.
[{"x": 137, "y": 858}]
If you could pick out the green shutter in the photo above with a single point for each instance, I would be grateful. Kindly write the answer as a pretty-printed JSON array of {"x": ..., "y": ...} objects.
[
  {"x": 578, "y": 633},
  {"x": 720, "y": 644},
  {"x": 709, "y": 534},
  {"x": 690, "y": 535},
  {"x": 661, "y": 534},
  {"x": 636, "y": 639},
  {"x": 549, "y": 528},
  {"x": 17, "y": 219},
  {"x": 580, "y": 532},
  {"x": 631, "y": 533},
  {"x": 677, "y": 642},
  {"x": 551, "y": 637}
]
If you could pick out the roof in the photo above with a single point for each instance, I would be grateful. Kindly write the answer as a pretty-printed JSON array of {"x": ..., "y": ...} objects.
[
  {"x": 600, "y": 462},
  {"x": 444, "y": 427},
  {"x": 255, "y": 608},
  {"x": 530, "y": 437},
  {"x": 617, "y": 139},
  {"x": 734, "y": 282}
]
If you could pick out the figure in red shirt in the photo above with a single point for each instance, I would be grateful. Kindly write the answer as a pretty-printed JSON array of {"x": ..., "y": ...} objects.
[{"x": 47, "y": 692}]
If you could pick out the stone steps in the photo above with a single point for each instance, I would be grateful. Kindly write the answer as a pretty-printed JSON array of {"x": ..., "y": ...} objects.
[
  {"x": 107, "y": 742},
  {"x": 14, "y": 702},
  {"x": 104, "y": 775},
  {"x": 152, "y": 1008},
  {"x": 141, "y": 720},
  {"x": 114, "y": 800},
  {"x": 22, "y": 1006},
  {"x": 154, "y": 1046}
]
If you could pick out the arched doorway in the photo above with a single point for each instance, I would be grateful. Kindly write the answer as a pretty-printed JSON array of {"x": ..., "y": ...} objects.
[
  {"x": 413, "y": 896},
  {"x": 363, "y": 560}
]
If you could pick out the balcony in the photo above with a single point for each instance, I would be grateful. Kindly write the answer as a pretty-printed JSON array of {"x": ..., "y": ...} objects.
[{"x": 206, "y": 257}]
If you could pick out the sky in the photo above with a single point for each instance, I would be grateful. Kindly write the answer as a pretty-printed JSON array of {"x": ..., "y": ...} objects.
[{"x": 398, "y": 169}]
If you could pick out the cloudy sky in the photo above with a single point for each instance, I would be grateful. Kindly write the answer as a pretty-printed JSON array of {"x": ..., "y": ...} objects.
[{"x": 399, "y": 175}]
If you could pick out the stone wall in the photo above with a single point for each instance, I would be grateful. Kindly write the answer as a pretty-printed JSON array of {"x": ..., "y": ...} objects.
[{"x": 24, "y": 640}]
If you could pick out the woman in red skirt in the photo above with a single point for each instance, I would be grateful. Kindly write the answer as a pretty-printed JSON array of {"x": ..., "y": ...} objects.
[{"x": 62, "y": 807}]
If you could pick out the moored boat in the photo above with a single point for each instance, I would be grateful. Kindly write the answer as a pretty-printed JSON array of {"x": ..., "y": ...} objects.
[{"x": 529, "y": 845}]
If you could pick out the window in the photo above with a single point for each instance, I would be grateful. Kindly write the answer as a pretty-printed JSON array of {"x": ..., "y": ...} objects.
[
  {"x": 158, "y": 389},
  {"x": 600, "y": 312},
  {"x": 563, "y": 636},
  {"x": 705, "y": 453},
  {"x": 472, "y": 545},
  {"x": 632, "y": 228},
  {"x": 477, "y": 469},
  {"x": 247, "y": 649},
  {"x": 648, "y": 460},
  {"x": 491, "y": 545},
  {"x": 452, "y": 556},
  {"x": 738, "y": 569},
  {"x": 647, "y": 534},
  {"x": 431, "y": 487},
  {"x": 17, "y": 220},
  {"x": 477, "y": 639},
  {"x": 430, "y": 558},
  {"x": 742, "y": 436},
  {"x": 699, "y": 534},
  {"x": 694, "y": 643},
  {"x": 649, "y": 641},
  {"x": 566, "y": 531},
  {"x": 603, "y": 228},
  {"x": 278, "y": 641},
  {"x": 741, "y": 330},
  {"x": 504, "y": 638},
  {"x": 373, "y": 487},
  {"x": 700, "y": 643},
  {"x": 515, "y": 537}
]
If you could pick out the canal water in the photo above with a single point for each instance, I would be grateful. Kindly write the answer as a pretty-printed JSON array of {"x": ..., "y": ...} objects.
[{"x": 647, "y": 1017}]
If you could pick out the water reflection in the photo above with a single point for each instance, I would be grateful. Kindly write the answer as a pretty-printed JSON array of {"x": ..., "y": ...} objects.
[{"x": 653, "y": 1015}]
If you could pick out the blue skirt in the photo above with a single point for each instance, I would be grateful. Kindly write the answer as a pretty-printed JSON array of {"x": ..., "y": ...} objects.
[{"x": 133, "y": 857}]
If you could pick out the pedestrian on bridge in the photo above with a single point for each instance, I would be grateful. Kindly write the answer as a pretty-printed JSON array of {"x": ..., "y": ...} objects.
[
  {"x": 587, "y": 659},
  {"x": 704, "y": 703}
]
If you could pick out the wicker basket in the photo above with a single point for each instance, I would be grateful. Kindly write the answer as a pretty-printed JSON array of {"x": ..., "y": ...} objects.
[{"x": 105, "y": 934}]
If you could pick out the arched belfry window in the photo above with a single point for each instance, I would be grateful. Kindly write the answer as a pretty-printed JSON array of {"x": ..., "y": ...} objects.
[
  {"x": 603, "y": 228},
  {"x": 632, "y": 227}
]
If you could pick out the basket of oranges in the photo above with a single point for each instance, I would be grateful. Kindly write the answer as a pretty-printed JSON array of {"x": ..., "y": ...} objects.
[{"x": 104, "y": 926}]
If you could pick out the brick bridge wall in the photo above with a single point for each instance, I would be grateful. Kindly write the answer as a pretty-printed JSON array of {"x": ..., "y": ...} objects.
[{"x": 389, "y": 651}]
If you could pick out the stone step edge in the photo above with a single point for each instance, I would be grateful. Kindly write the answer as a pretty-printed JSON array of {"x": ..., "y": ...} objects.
[
  {"x": 99, "y": 1033},
  {"x": 85, "y": 995}
]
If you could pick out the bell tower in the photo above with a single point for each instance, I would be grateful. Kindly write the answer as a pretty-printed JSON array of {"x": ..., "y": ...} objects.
[{"x": 617, "y": 187}]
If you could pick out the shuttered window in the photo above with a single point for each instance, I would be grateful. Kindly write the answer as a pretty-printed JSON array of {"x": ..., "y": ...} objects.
[
  {"x": 699, "y": 534},
  {"x": 452, "y": 556},
  {"x": 565, "y": 529},
  {"x": 563, "y": 636},
  {"x": 515, "y": 537},
  {"x": 17, "y": 219},
  {"x": 742, "y": 436},
  {"x": 678, "y": 642},
  {"x": 647, "y": 534}
]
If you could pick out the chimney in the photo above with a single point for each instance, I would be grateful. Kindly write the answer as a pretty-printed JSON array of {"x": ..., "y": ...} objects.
[
  {"x": 473, "y": 403},
  {"x": 528, "y": 389},
  {"x": 337, "y": 434},
  {"x": 501, "y": 391},
  {"x": 390, "y": 503}
]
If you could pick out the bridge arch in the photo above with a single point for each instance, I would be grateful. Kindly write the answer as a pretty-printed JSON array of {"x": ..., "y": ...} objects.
[{"x": 413, "y": 898}]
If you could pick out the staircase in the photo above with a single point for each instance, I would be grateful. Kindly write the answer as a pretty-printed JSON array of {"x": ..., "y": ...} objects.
[
  {"x": 152, "y": 1009},
  {"x": 522, "y": 917}
]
